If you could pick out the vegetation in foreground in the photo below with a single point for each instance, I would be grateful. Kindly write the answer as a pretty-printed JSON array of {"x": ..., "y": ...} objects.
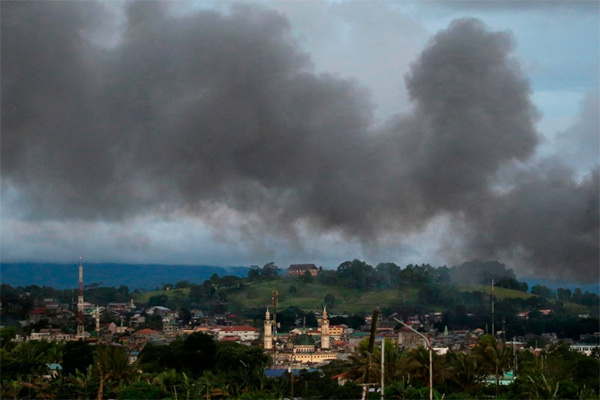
[{"x": 197, "y": 367}]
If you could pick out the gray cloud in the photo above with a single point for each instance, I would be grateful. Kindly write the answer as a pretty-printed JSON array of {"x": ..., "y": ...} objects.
[
  {"x": 579, "y": 145},
  {"x": 548, "y": 223},
  {"x": 574, "y": 6},
  {"x": 197, "y": 111}
]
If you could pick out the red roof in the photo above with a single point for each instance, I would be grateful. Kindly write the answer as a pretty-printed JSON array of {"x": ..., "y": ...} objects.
[
  {"x": 338, "y": 376},
  {"x": 239, "y": 328},
  {"x": 147, "y": 331},
  {"x": 302, "y": 267},
  {"x": 38, "y": 311}
]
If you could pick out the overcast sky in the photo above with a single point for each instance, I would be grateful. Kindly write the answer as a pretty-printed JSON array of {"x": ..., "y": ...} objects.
[{"x": 302, "y": 132}]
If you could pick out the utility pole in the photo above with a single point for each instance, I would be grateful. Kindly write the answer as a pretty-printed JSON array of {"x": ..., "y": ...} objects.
[
  {"x": 493, "y": 329},
  {"x": 275, "y": 294},
  {"x": 291, "y": 371},
  {"x": 370, "y": 352},
  {"x": 382, "y": 366},
  {"x": 515, "y": 355}
]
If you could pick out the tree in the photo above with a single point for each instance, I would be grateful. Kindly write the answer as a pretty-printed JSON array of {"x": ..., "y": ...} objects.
[
  {"x": 466, "y": 371},
  {"x": 563, "y": 294},
  {"x": 141, "y": 390},
  {"x": 254, "y": 273},
  {"x": 158, "y": 300},
  {"x": 242, "y": 364},
  {"x": 387, "y": 275},
  {"x": 6, "y": 335},
  {"x": 329, "y": 300},
  {"x": 199, "y": 352},
  {"x": 182, "y": 284},
  {"x": 270, "y": 271},
  {"x": 358, "y": 274},
  {"x": 111, "y": 366},
  {"x": 214, "y": 279},
  {"x": 185, "y": 315},
  {"x": 230, "y": 281},
  {"x": 306, "y": 277},
  {"x": 355, "y": 321},
  {"x": 477, "y": 271},
  {"x": 543, "y": 291},
  {"x": 77, "y": 356},
  {"x": 493, "y": 356},
  {"x": 360, "y": 362}
]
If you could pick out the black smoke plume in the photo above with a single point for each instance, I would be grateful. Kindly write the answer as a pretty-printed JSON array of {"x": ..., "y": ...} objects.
[{"x": 185, "y": 112}]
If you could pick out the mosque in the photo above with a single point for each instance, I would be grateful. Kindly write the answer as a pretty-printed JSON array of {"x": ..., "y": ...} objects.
[{"x": 304, "y": 348}]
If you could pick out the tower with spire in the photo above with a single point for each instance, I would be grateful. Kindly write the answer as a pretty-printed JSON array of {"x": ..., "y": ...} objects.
[
  {"x": 80, "y": 318},
  {"x": 324, "y": 330},
  {"x": 97, "y": 316},
  {"x": 268, "y": 337}
]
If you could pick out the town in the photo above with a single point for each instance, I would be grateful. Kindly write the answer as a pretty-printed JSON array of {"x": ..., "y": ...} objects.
[{"x": 310, "y": 341}]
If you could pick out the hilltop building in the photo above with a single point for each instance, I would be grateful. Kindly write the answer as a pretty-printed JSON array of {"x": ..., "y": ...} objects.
[{"x": 300, "y": 269}]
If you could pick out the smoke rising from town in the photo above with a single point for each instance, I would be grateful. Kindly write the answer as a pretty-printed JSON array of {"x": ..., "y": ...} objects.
[{"x": 222, "y": 110}]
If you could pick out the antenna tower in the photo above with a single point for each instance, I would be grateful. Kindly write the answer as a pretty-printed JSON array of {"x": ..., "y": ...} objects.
[
  {"x": 80, "y": 319},
  {"x": 275, "y": 301},
  {"x": 493, "y": 329}
]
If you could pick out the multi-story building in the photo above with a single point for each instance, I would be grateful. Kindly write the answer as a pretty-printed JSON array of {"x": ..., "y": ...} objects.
[
  {"x": 301, "y": 269},
  {"x": 246, "y": 333}
]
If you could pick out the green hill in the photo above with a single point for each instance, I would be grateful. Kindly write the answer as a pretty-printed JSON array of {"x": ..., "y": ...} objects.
[
  {"x": 499, "y": 293},
  {"x": 310, "y": 296}
]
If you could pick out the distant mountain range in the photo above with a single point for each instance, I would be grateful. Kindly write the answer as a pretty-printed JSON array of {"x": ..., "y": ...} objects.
[
  {"x": 150, "y": 276},
  {"x": 134, "y": 276}
]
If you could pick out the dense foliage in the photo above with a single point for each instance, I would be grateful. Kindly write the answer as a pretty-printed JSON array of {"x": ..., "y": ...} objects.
[{"x": 198, "y": 367}]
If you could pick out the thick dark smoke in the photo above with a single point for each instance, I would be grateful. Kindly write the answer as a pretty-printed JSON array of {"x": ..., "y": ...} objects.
[{"x": 186, "y": 112}]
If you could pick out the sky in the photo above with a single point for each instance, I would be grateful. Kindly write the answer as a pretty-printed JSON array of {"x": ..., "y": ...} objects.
[{"x": 234, "y": 133}]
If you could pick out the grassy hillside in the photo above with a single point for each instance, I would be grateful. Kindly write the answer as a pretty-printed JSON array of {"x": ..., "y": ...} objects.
[
  {"x": 310, "y": 296},
  {"x": 173, "y": 293},
  {"x": 502, "y": 293},
  {"x": 499, "y": 293}
]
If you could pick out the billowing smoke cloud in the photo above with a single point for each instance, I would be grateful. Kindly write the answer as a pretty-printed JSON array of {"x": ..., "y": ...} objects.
[{"x": 206, "y": 110}]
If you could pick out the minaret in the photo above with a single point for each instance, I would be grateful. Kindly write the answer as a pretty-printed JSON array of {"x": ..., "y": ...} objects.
[
  {"x": 97, "y": 321},
  {"x": 80, "y": 319},
  {"x": 268, "y": 339},
  {"x": 324, "y": 330}
]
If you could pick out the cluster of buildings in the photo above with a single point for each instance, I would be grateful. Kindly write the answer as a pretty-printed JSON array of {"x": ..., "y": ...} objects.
[{"x": 301, "y": 347}]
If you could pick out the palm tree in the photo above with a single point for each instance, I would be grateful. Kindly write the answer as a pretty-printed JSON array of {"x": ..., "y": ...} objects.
[
  {"x": 81, "y": 384},
  {"x": 467, "y": 370},
  {"x": 493, "y": 356},
  {"x": 111, "y": 365},
  {"x": 539, "y": 387},
  {"x": 395, "y": 364},
  {"x": 14, "y": 388},
  {"x": 360, "y": 361},
  {"x": 170, "y": 381}
]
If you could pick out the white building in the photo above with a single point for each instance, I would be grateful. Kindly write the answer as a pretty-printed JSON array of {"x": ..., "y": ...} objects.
[{"x": 246, "y": 333}]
